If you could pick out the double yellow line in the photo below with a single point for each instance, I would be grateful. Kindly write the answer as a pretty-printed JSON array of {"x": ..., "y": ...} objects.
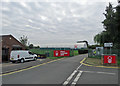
[
  {"x": 82, "y": 62},
  {"x": 30, "y": 67}
]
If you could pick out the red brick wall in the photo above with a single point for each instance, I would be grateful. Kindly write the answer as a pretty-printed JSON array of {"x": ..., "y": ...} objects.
[{"x": 8, "y": 42}]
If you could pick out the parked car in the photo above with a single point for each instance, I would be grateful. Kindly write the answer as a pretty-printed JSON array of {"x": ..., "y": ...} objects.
[{"x": 22, "y": 56}]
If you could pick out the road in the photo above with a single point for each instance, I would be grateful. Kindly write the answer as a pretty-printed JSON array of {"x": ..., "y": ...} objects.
[{"x": 65, "y": 72}]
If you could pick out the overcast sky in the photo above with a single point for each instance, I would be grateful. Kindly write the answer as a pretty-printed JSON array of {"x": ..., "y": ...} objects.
[{"x": 54, "y": 22}]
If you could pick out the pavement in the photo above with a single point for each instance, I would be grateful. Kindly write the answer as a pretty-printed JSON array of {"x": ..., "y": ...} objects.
[{"x": 62, "y": 72}]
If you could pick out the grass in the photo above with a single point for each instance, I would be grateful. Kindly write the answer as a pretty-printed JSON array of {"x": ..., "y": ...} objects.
[
  {"x": 97, "y": 57},
  {"x": 55, "y": 57},
  {"x": 97, "y": 61},
  {"x": 118, "y": 62},
  {"x": 93, "y": 61}
]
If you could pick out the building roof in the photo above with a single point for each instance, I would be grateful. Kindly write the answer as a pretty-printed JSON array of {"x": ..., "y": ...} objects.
[{"x": 6, "y": 36}]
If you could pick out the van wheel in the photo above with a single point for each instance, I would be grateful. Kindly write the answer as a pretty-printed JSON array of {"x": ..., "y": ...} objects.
[{"x": 22, "y": 60}]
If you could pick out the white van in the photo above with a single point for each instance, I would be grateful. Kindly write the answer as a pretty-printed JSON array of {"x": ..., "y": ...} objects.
[{"x": 22, "y": 55}]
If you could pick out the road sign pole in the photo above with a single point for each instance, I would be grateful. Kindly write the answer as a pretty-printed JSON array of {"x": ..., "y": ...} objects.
[{"x": 110, "y": 50}]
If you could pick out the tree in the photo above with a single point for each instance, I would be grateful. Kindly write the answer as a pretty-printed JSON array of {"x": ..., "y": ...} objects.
[
  {"x": 93, "y": 46},
  {"x": 31, "y": 46},
  {"x": 111, "y": 26},
  {"x": 97, "y": 39},
  {"x": 117, "y": 19},
  {"x": 24, "y": 40},
  {"x": 109, "y": 23},
  {"x": 38, "y": 46}
]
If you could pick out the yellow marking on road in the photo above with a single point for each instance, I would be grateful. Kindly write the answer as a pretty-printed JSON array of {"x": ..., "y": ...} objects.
[
  {"x": 30, "y": 67},
  {"x": 99, "y": 66},
  {"x": 82, "y": 62}
]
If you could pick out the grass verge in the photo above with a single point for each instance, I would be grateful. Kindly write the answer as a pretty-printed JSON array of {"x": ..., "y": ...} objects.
[
  {"x": 119, "y": 62},
  {"x": 93, "y": 61},
  {"x": 97, "y": 62},
  {"x": 55, "y": 57}
]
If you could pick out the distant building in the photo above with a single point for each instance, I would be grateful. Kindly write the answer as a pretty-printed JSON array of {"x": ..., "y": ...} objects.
[
  {"x": 7, "y": 44},
  {"x": 64, "y": 45}
]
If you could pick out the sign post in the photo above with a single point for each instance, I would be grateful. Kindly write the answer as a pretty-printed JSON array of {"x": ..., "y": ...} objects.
[{"x": 108, "y": 45}]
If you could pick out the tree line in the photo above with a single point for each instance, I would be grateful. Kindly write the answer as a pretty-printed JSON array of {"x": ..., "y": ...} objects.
[
  {"x": 24, "y": 40},
  {"x": 111, "y": 26}
]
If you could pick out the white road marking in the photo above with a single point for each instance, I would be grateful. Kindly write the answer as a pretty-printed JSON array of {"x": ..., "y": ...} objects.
[
  {"x": 107, "y": 73},
  {"x": 100, "y": 72},
  {"x": 77, "y": 78},
  {"x": 79, "y": 66},
  {"x": 71, "y": 76}
]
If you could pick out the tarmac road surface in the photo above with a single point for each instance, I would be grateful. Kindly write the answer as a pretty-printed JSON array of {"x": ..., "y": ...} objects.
[{"x": 67, "y": 71}]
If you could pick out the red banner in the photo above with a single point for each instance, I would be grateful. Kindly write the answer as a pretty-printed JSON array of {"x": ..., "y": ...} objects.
[
  {"x": 109, "y": 59},
  {"x": 60, "y": 53}
]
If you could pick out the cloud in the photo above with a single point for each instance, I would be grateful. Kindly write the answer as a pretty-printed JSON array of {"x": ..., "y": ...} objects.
[
  {"x": 43, "y": 17},
  {"x": 53, "y": 22},
  {"x": 31, "y": 21}
]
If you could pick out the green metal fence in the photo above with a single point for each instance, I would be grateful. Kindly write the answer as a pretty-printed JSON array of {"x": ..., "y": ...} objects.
[
  {"x": 94, "y": 54},
  {"x": 50, "y": 51}
]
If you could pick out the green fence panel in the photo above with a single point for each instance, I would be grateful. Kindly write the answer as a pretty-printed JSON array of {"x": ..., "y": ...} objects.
[
  {"x": 105, "y": 51},
  {"x": 50, "y": 51}
]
